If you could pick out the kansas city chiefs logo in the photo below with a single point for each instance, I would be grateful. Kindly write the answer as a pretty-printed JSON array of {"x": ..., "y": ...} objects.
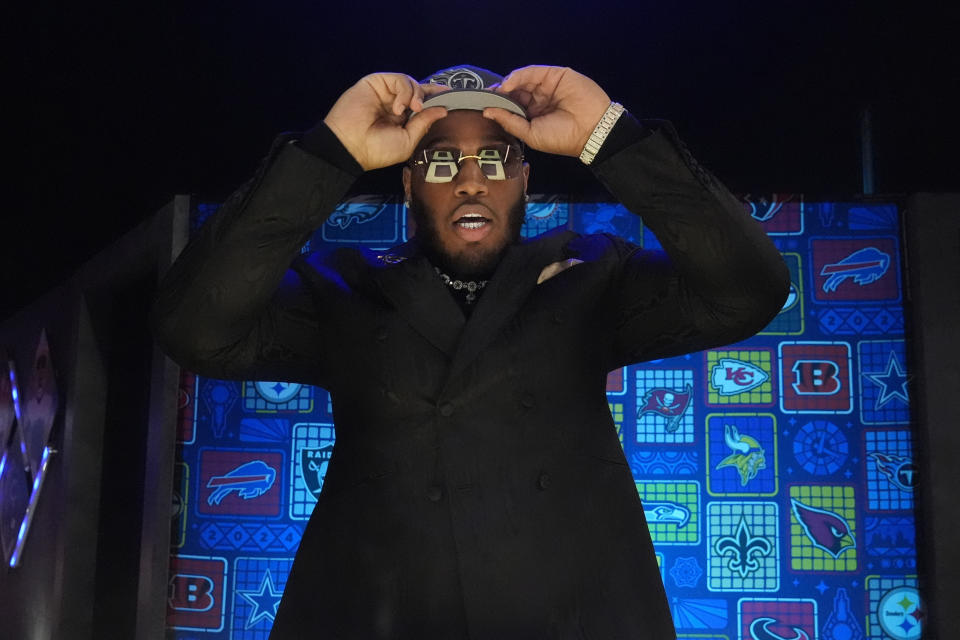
[{"x": 731, "y": 377}]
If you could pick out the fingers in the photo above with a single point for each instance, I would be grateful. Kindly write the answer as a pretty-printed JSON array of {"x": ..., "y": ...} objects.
[
  {"x": 515, "y": 125},
  {"x": 533, "y": 77},
  {"x": 405, "y": 90},
  {"x": 418, "y": 125}
]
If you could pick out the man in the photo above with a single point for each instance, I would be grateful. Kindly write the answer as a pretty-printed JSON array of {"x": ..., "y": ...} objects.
[{"x": 477, "y": 488}]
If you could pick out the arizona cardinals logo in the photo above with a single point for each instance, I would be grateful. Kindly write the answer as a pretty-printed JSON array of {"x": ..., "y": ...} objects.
[
  {"x": 760, "y": 630},
  {"x": 826, "y": 530},
  {"x": 249, "y": 480},
  {"x": 669, "y": 403},
  {"x": 899, "y": 470},
  {"x": 666, "y": 512},
  {"x": 864, "y": 266},
  {"x": 748, "y": 456},
  {"x": 360, "y": 210}
]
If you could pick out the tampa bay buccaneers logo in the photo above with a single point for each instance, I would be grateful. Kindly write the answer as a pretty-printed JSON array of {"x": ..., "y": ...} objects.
[
  {"x": 827, "y": 530},
  {"x": 669, "y": 403}
]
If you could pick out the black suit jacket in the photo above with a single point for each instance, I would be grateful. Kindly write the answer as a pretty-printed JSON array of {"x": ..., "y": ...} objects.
[{"x": 477, "y": 487}]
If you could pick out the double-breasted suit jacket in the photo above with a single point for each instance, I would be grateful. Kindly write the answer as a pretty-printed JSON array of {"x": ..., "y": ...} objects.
[{"x": 477, "y": 487}]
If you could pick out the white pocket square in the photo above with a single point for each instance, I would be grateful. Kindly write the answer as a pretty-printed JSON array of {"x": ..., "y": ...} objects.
[{"x": 554, "y": 268}]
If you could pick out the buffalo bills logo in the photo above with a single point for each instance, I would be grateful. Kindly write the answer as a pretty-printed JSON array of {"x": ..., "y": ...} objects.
[
  {"x": 249, "y": 480},
  {"x": 864, "y": 266}
]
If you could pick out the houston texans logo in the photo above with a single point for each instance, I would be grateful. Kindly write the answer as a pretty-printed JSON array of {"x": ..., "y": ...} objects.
[
  {"x": 249, "y": 480},
  {"x": 764, "y": 209},
  {"x": 666, "y": 512},
  {"x": 899, "y": 470},
  {"x": 864, "y": 266},
  {"x": 760, "y": 630},
  {"x": 826, "y": 530},
  {"x": 360, "y": 210}
]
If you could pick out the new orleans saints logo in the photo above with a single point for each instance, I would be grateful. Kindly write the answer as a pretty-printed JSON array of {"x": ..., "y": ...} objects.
[{"x": 744, "y": 549}]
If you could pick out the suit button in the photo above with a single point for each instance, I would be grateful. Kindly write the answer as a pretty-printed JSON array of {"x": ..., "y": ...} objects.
[
  {"x": 446, "y": 409},
  {"x": 558, "y": 316},
  {"x": 381, "y": 333},
  {"x": 528, "y": 401},
  {"x": 434, "y": 493},
  {"x": 543, "y": 481}
]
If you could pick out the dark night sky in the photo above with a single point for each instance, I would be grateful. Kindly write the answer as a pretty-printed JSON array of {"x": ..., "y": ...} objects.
[{"x": 116, "y": 109}]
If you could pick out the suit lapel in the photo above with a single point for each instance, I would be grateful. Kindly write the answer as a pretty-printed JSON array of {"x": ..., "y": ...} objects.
[
  {"x": 514, "y": 279},
  {"x": 423, "y": 301}
]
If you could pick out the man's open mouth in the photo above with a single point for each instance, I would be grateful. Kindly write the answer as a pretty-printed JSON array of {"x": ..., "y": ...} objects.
[{"x": 471, "y": 221}]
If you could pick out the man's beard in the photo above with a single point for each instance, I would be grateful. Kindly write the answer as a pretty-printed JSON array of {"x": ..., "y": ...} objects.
[{"x": 465, "y": 264}]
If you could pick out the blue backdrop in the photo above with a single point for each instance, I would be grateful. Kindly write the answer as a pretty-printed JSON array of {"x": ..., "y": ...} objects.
[{"x": 776, "y": 474}]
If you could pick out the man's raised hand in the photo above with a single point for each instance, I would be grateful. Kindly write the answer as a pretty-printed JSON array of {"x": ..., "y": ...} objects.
[
  {"x": 564, "y": 108},
  {"x": 370, "y": 118}
]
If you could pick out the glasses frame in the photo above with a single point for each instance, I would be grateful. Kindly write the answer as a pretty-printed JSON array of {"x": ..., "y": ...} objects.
[{"x": 419, "y": 167}]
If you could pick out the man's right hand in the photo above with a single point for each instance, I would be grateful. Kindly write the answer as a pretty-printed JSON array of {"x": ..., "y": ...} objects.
[{"x": 370, "y": 118}]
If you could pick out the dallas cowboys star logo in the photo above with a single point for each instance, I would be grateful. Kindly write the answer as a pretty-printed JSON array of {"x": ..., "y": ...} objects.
[
  {"x": 892, "y": 382},
  {"x": 265, "y": 601}
]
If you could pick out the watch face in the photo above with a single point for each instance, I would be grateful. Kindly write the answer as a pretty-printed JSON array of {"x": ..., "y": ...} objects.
[
  {"x": 39, "y": 405},
  {"x": 9, "y": 395}
]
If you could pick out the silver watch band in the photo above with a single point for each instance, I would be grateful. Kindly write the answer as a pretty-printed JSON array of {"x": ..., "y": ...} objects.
[{"x": 600, "y": 132}]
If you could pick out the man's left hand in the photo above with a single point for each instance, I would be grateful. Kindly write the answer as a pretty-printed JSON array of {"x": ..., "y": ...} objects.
[{"x": 564, "y": 108}]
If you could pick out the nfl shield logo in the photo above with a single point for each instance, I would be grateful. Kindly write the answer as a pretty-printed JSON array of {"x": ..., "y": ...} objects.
[{"x": 313, "y": 467}]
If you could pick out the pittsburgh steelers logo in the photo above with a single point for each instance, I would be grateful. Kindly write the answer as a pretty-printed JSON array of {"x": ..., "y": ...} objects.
[{"x": 900, "y": 613}]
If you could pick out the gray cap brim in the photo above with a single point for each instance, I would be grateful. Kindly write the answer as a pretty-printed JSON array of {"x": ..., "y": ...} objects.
[{"x": 474, "y": 99}]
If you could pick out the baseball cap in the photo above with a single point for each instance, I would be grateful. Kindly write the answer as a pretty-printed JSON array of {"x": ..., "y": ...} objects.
[{"x": 469, "y": 89}]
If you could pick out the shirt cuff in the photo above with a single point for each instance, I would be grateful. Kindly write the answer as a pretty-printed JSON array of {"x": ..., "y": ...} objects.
[
  {"x": 625, "y": 132},
  {"x": 321, "y": 142}
]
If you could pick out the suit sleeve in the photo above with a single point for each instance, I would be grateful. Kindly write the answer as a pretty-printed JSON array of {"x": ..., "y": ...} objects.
[
  {"x": 231, "y": 307},
  {"x": 720, "y": 279}
]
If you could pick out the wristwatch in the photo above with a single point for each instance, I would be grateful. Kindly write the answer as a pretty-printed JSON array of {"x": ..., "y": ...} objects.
[{"x": 600, "y": 132}]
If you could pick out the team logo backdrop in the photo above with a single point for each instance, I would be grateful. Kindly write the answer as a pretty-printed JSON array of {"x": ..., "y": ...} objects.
[{"x": 777, "y": 475}]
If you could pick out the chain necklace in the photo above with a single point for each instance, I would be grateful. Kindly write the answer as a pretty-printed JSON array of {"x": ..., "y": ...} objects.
[{"x": 471, "y": 286}]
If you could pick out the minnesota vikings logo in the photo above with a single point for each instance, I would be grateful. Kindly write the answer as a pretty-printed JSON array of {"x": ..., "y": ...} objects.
[
  {"x": 249, "y": 480},
  {"x": 748, "y": 456},
  {"x": 826, "y": 530},
  {"x": 668, "y": 403},
  {"x": 899, "y": 470},
  {"x": 760, "y": 630},
  {"x": 864, "y": 266},
  {"x": 744, "y": 549},
  {"x": 361, "y": 210}
]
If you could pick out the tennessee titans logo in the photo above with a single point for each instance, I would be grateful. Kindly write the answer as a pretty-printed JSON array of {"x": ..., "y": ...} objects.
[
  {"x": 358, "y": 210},
  {"x": 249, "y": 480},
  {"x": 864, "y": 266},
  {"x": 826, "y": 530},
  {"x": 899, "y": 470},
  {"x": 760, "y": 630},
  {"x": 748, "y": 457},
  {"x": 666, "y": 512}
]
